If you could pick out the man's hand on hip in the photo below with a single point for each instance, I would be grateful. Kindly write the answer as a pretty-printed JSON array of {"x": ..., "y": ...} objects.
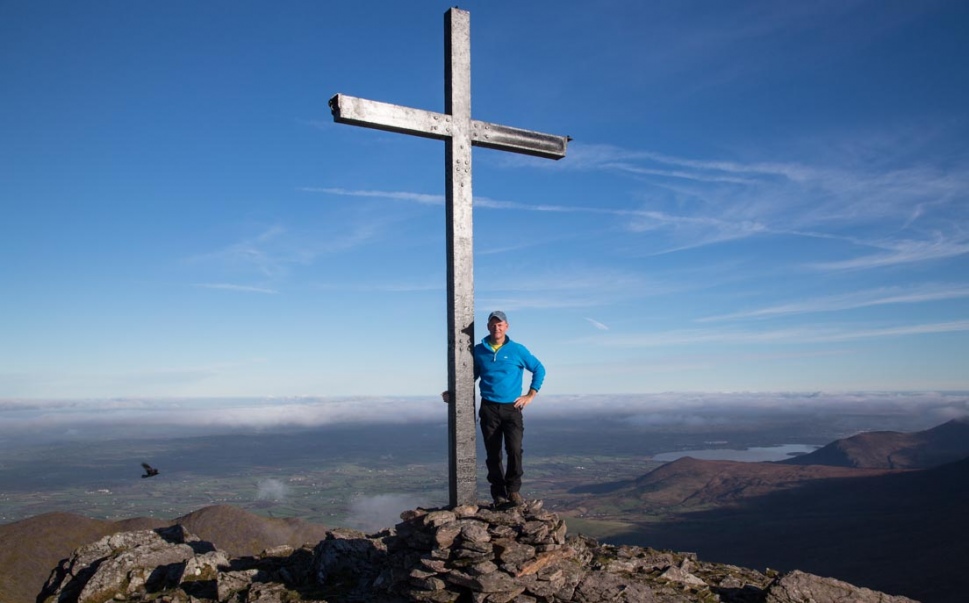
[{"x": 522, "y": 401}]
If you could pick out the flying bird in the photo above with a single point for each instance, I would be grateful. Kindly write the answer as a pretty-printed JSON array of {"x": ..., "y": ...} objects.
[{"x": 149, "y": 470}]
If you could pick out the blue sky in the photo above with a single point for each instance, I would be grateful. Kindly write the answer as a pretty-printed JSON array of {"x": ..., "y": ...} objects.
[{"x": 760, "y": 196}]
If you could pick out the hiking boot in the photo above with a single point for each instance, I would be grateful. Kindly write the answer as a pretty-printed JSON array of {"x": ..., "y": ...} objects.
[
  {"x": 516, "y": 499},
  {"x": 500, "y": 502}
]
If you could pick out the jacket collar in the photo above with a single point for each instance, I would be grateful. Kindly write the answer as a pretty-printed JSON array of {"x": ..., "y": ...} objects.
[{"x": 487, "y": 342}]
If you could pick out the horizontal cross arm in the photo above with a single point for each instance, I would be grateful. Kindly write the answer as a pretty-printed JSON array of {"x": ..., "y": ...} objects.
[
  {"x": 429, "y": 124},
  {"x": 393, "y": 118},
  {"x": 517, "y": 140}
]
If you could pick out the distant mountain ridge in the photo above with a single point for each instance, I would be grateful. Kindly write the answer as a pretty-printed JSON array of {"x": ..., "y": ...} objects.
[
  {"x": 892, "y": 529},
  {"x": 688, "y": 482},
  {"x": 894, "y": 450}
]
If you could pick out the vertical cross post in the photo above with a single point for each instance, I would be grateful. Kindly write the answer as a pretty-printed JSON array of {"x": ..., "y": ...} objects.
[
  {"x": 462, "y": 464},
  {"x": 459, "y": 133}
]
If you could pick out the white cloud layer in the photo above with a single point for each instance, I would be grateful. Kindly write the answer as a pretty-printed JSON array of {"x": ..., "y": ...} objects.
[{"x": 86, "y": 419}]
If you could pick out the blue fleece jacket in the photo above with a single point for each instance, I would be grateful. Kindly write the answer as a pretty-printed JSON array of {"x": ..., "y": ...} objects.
[{"x": 501, "y": 372}]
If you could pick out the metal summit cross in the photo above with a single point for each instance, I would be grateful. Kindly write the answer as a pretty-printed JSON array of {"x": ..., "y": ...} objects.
[{"x": 459, "y": 133}]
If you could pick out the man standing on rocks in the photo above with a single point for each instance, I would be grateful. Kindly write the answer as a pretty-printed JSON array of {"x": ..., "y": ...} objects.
[{"x": 500, "y": 364}]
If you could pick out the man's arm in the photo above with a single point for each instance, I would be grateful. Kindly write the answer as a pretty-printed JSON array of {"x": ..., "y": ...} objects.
[{"x": 537, "y": 369}]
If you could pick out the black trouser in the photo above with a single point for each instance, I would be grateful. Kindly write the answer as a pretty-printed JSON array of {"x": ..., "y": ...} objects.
[{"x": 502, "y": 422}]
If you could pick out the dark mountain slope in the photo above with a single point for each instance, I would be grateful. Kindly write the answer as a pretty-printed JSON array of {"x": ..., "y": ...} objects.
[
  {"x": 900, "y": 532},
  {"x": 690, "y": 483},
  {"x": 894, "y": 450}
]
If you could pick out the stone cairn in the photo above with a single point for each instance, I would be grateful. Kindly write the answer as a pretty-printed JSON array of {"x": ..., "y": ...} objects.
[{"x": 465, "y": 554}]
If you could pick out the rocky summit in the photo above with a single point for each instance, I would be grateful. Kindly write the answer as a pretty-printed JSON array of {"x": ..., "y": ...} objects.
[{"x": 468, "y": 553}]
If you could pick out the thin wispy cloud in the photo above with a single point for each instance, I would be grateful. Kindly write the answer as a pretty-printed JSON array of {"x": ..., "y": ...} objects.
[
  {"x": 698, "y": 176},
  {"x": 605, "y": 156},
  {"x": 274, "y": 252},
  {"x": 792, "y": 336},
  {"x": 578, "y": 286},
  {"x": 851, "y": 301},
  {"x": 172, "y": 379},
  {"x": 479, "y": 201},
  {"x": 955, "y": 326},
  {"x": 595, "y": 323},
  {"x": 789, "y": 171},
  {"x": 716, "y": 230},
  {"x": 259, "y": 253},
  {"x": 881, "y": 191},
  {"x": 634, "y": 220},
  {"x": 904, "y": 252},
  {"x": 422, "y": 198},
  {"x": 317, "y": 123},
  {"x": 909, "y": 211},
  {"x": 372, "y": 287},
  {"x": 239, "y": 288}
]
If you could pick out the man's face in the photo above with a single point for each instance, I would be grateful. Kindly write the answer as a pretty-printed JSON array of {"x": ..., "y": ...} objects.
[{"x": 497, "y": 329}]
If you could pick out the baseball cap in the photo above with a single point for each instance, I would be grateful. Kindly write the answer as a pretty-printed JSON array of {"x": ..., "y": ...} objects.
[{"x": 499, "y": 315}]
